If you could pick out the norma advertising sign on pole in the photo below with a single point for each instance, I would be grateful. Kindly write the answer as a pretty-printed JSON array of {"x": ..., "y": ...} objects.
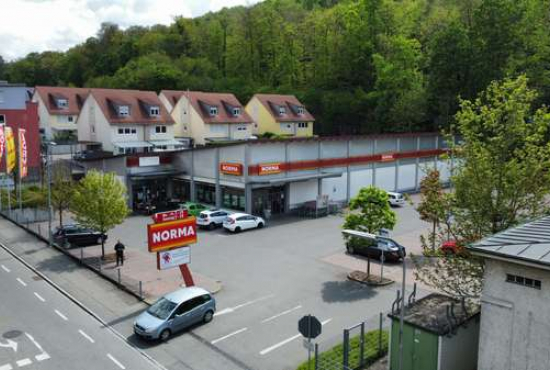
[
  {"x": 170, "y": 216},
  {"x": 168, "y": 235},
  {"x": 173, "y": 258},
  {"x": 23, "y": 158}
]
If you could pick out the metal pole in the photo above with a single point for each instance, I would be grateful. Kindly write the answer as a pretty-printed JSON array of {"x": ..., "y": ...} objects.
[
  {"x": 140, "y": 290},
  {"x": 380, "y": 334},
  {"x": 316, "y": 356},
  {"x": 81, "y": 254},
  {"x": 9, "y": 197},
  {"x": 362, "y": 348},
  {"x": 402, "y": 314},
  {"x": 309, "y": 343},
  {"x": 48, "y": 169},
  {"x": 346, "y": 350}
]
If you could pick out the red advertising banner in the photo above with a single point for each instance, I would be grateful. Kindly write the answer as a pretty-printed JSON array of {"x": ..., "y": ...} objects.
[
  {"x": 171, "y": 234},
  {"x": 235, "y": 169},
  {"x": 170, "y": 216},
  {"x": 388, "y": 157},
  {"x": 23, "y": 158},
  {"x": 269, "y": 168},
  {"x": 2, "y": 141}
]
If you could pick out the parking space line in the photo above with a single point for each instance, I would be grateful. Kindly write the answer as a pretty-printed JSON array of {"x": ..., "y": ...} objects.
[
  {"x": 6, "y": 367},
  {"x": 115, "y": 361},
  {"x": 21, "y": 282},
  {"x": 61, "y": 315},
  {"x": 39, "y": 297},
  {"x": 24, "y": 362},
  {"x": 229, "y": 335},
  {"x": 286, "y": 341},
  {"x": 232, "y": 309},
  {"x": 7, "y": 270},
  {"x": 281, "y": 314},
  {"x": 42, "y": 357},
  {"x": 86, "y": 336}
]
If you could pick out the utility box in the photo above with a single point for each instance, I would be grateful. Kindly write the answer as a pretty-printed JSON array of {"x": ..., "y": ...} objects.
[{"x": 439, "y": 333}]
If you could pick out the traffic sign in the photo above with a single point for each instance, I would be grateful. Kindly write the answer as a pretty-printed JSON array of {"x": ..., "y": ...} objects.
[{"x": 310, "y": 327}]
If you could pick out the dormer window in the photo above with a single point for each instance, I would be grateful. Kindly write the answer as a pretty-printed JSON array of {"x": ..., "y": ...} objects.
[
  {"x": 123, "y": 110},
  {"x": 300, "y": 110},
  {"x": 236, "y": 111},
  {"x": 282, "y": 110},
  {"x": 62, "y": 103},
  {"x": 213, "y": 111},
  {"x": 154, "y": 111}
]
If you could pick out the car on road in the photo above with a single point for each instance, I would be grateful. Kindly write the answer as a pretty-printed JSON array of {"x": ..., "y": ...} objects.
[
  {"x": 194, "y": 209},
  {"x": 212, "y": 218},
  {"x": 174, "y": 312},
  {"x": 77, "y": 236},
  {"x": 237, "y": 222},
  {"x": 396, "y": 199},
  {"x": 373, "y": 249}
]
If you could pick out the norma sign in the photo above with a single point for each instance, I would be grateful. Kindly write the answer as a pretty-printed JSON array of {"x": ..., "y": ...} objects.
[
  {"x": 269, "y": 168},
  {"x": 310, "y": 327},
  {"x": 168, "y": 235},
  {"x": 387, "y": 157},
  {"x": 173, "y": 258},
  {"x": 170, "y": 216},
  {"x": 235, "y": 169}
]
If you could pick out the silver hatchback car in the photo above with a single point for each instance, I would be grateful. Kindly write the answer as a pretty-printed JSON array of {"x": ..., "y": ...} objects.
[{"x": 174, "y": 312}]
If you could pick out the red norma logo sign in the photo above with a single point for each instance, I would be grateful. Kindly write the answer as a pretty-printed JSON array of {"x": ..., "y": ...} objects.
[
  {"x": 171, "y": 234},
  {"x": 269, "y": 168},
  {"x": 387, "y": 157},
  {"x": 235, "y": 169},
  {"x": 170, "y": 216}
]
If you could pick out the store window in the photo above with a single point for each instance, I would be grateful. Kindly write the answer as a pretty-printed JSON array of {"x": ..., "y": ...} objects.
[
  {"x": 233, "y": 198},
  {"x": 206, "y": 193}
]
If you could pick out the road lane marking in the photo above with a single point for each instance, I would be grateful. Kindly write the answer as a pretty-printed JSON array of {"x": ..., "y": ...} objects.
[
  {"x": 42, "y": 357},
  {"x": 229, "y": 335},
  {"x": 6, "y": 367},
  {"x": 39, "y": 297},
  {"x": 86, "y": 336},
  {"x": 115, "y": 361},
  {"x": 61, "y": 315},
  {"x": 281, "y": 314},
  {"x": 24, "y": 362},
  {"x": 233, "y": 309},
  {"x": 286, "y": 341},
  {"x": 21, "y": 282},
  {"x": 7, "y": 270}
]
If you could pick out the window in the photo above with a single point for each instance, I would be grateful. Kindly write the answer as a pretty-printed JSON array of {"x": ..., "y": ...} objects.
[
  {"x": 300, "y": 110},
  {"x": 62, "y": 103},
  {"x": 121, "y": 131},
  {"x": 70, "y": 119},
  {"x": 93, "y": 129},
  {"x": 213, "y": 111},
  {"x": 127, "y": 131},
  {"x": 236, "y": 111},
  {"x": 160, "y": 129},
  {"x": 134, "y": 131},
  {"x": 525, "y": 281},
  {"x": 241, "y": 128},
  {"x": 302, "y": 124},
  {"x": 282, "y": 110},
  {"x": 154, "y": 111},
  {"x": 124, "y": 111},
  {"x": 2, "y": 119}
]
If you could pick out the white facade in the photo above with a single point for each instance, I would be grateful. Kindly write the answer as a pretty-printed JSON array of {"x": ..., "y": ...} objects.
[{"x": 52, "y": 124}]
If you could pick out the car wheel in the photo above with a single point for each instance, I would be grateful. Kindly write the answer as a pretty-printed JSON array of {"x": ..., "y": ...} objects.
[
  {"x": 164, "y": 335},
  {"x": 99, "y": 240},
  {"x": 237, "y": 229},
  {"x": 208, "y": 316},
  {"x": 212, "y": 226},
  {"x": 350, "y": 249},
  {"x": 260, "y": 225}
]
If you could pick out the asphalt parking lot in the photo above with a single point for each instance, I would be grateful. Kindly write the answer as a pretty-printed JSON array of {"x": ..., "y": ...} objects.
[{"x": 274, "y": 276}]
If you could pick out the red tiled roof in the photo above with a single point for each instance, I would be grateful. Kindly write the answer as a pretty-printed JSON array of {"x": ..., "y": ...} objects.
[
  {"x": 201, "y": 101},
  {"x": 138, "y": 103},
  {"x": 75, "y": 97},
  {"x": 271, "y": 102}
]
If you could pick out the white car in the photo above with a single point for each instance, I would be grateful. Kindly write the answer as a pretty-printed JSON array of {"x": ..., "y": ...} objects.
[
  {"x": 396, "y": 199},
  {"x": 241, "y": 221},
  {"x": 212, "y": 218}
]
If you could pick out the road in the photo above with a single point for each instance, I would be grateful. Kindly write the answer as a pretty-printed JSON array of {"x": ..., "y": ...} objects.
[{"x": 42, "y": 328}]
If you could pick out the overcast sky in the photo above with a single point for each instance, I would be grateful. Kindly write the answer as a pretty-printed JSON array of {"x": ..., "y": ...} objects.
[{"x": 39, "y": 25}]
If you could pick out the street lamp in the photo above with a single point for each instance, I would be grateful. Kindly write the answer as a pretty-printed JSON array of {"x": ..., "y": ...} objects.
[
  {"x": 373, "y": 237},
  {"x": 49, "y": 173}
]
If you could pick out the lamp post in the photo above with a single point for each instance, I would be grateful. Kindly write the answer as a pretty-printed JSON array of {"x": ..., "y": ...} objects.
[{"x": 49, "y": 174}]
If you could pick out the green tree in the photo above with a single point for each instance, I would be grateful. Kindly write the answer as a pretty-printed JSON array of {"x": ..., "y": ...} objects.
[
  {"x": 430, "y": 207},
  {"x": 501, "y": 178},
  {"x": 62, "y": 189},
  {"x": 99, "y": 202}
]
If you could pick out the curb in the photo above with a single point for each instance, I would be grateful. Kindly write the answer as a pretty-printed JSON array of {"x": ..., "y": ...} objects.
[{"x": 382, "y": 283}]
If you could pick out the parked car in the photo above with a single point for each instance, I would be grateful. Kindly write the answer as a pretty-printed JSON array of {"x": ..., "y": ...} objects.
[
  {"x": 77, "y": 235},
  {"x": 212, "y": 218},
  {"x": 396, "y": 199},
  {"x": 392, "y": 250},
  {"x": 174, "y": 312},
  {"x": 241, "y": 221},
  {"x": 194, "y": 209}
]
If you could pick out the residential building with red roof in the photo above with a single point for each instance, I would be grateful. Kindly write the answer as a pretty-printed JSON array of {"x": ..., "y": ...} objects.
[
  {"x": 280, "y": 114},
  {"x": 126, "y": 122},
  {"x": 58, "y": 111},
  {"x": 207, "y": 117}
]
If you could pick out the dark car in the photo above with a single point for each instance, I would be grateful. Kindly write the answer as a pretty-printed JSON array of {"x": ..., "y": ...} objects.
[
  {"x": 78, "y": 236},
  {"x": 392, "y": 250}
]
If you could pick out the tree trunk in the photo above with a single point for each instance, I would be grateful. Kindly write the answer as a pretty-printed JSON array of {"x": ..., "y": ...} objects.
[
  {"x": 102, "y": 249},
  {"x": 60, "y": 217},
  {"x": 368, "y": 266},
  {"x": 433, "y": 236}
]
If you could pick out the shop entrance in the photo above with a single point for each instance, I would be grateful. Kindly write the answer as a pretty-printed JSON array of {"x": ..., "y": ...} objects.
[
  {"x": 148, "y": 195},
  {"x": 268, "y": 201}
]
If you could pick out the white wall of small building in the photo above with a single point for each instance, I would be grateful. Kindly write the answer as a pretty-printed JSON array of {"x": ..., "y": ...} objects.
[{"x": 459, "y": 351}]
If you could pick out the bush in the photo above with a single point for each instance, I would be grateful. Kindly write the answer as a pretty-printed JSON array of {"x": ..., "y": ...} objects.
[{"x": 335, "y": 355}]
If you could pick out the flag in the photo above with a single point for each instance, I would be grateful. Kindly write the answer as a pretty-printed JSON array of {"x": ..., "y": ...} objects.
[
  {"x": 2, "y": 142},
  {"x": 23, "y": 169},
  {"x": 10, "y": 149}
]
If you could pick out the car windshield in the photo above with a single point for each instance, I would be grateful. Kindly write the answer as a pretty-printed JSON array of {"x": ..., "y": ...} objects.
[
  {"x": 162, "y": 308},
  {"x": 203, "y": 215}
]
